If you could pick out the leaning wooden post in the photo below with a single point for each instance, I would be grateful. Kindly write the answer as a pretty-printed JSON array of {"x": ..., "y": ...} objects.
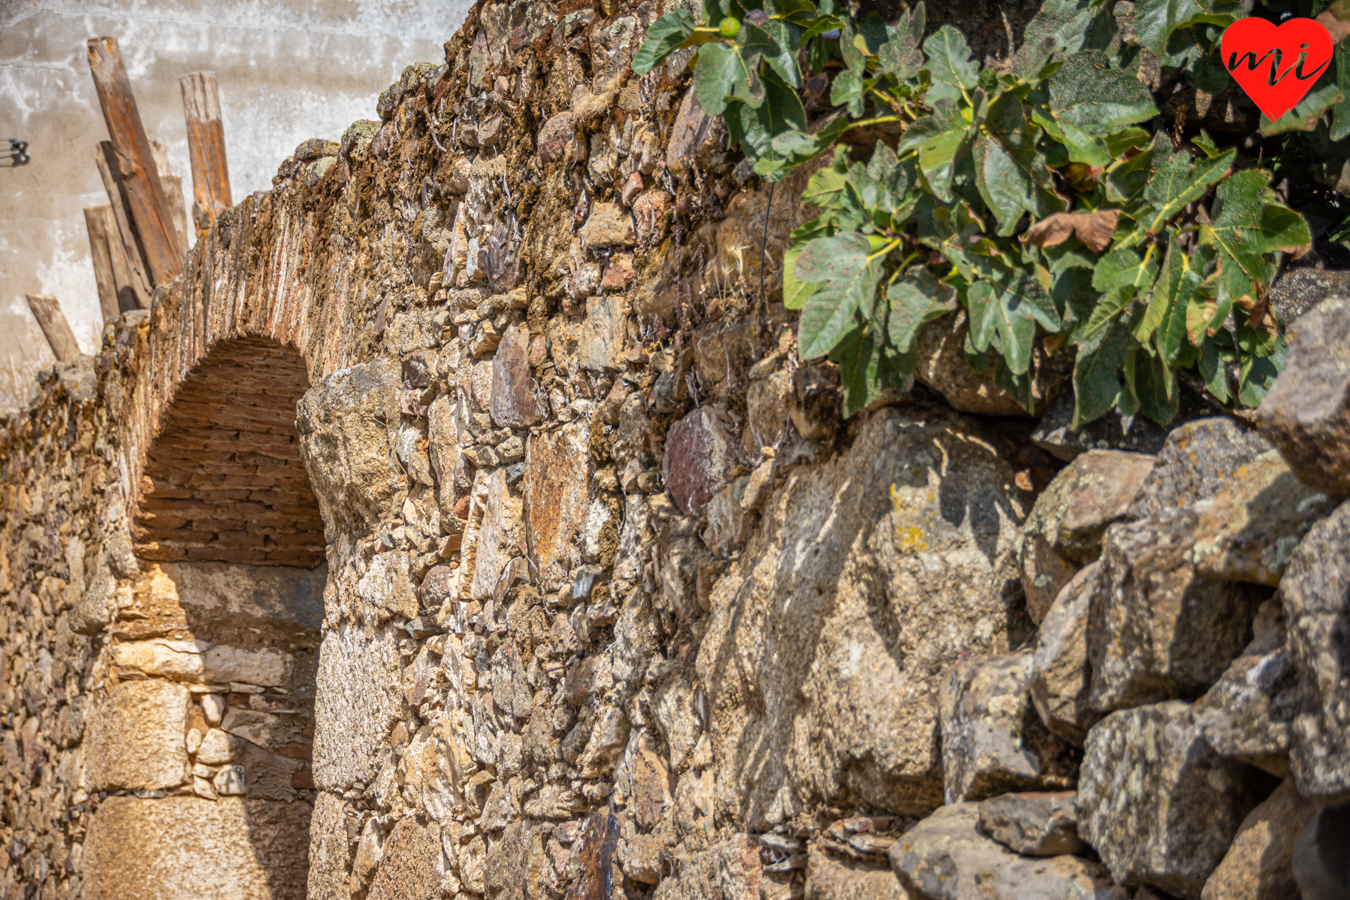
[
  {"x": 206, "y": 146},
  {"x": 99, "y": 241},
  {"x": 145, "y": 195},
  {"x": 54, "y": 325},
  {"x": 139, "y": 281}
]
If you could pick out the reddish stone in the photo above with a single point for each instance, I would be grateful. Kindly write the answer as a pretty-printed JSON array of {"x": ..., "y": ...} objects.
[
  {"x": 619, "y": 274},
  {"x": 700, "y": 458},
  {"x": 554, "y": 137}
]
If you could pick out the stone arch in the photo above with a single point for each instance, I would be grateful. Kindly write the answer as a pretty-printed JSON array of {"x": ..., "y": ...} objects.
[{"x": 223, "y": 481}]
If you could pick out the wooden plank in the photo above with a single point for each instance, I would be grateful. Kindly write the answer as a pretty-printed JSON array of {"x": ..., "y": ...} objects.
[
  {"x": 54, "y": 325},
  {"x": 138, "y": 282},
  {"x": 102, "y": 257},
  {"x": 173, "y": 192},
  {"x": 206, "y": 146},
  {"x": 146, "y": 201},
  {"x": 102, "y": 222}
]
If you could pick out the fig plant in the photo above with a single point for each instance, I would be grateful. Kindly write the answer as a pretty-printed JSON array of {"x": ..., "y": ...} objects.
[{"x": 1045, "y": 196}]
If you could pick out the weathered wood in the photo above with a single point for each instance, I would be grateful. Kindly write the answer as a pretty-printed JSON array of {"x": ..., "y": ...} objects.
[
  {"x": 206, "y": 146},
  {"x": 138, "y": 283},
  {"x": 99, "y": 240},
  {"x": 54, "y": 325},
  {"x": 173, "y": 192},
  {"x": 146, "y": 201},
  {"x": 111, "y": 266}
]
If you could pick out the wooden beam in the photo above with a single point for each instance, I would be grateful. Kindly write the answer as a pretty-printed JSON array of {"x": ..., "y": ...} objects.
[
  {"x": 206, "y": 146},
  {"x": 102, "y": 224},
  {"x": 54, "y": 325},
  {"x": 138, "y": 282},
  {"x": 173, "y": 192},
  {"x": 146, "y": 202},
  {"x": 99, "y": 241}
]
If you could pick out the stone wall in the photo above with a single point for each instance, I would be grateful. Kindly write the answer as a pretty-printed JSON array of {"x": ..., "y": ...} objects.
[{"x": 613, "y": 603}]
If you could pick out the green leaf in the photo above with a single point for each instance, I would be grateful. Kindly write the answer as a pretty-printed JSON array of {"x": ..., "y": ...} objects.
[
  {"x": 1325, "y": 94},
  {"x": 754, "y": 129},
  {"x": 847, "y": 90},
  {"x": 1257, "y": 374},
  {"x": 1177, "y": 183},
  {"x": 1010, "y": 174},
  {"x": 1340, "y": 119},
  {"x": 938, "y": 138},
  {"x": 787, "y": 37},
  {"x": 1155, "y": 387},
  {"x": 1096, "y": 371},
  {"x": 1126, "y": 179},
  {"x": 722, "y": 75},
  {"x": 1108, "y": 311},
  {"x": 915, "y": 300},
  {"x": 1097, "y": 97},
  {"x": 901, "y": 55},
  {"x": 795, "y": 291},
  {"x": 1213, "y": 365},
  {"x": 1155, "y": 20},
  {"x": 1061, "y": 27},
  {"x": 824, "y": 188},
  {"x": 1123, "y": 267},
  {"x": 949, "y": 64},
  {"x": 1248, "y": 226},
  {"x": 1206, "y": 144},
  {"x": 1118, "y": 143},
  {"x": 864, "y": 368},
  {"x": 847, "y": 275},
  {"x": 1004, "y": 315},
  {"x": 664, "y": 37}
]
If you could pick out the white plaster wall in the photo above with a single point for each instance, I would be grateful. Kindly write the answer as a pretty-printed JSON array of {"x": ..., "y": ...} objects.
[{"x": 288, "y": 70}]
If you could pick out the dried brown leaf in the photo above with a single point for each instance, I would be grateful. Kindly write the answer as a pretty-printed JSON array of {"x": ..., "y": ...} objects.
[{"x": 1093, "y": 228}]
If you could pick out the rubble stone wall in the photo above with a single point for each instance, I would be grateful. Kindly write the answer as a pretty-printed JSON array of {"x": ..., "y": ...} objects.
[{"x": 609, "y": 600}]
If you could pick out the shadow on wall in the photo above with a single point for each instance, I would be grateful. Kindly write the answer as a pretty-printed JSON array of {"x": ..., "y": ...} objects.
[{"x": 204, "y": 738}]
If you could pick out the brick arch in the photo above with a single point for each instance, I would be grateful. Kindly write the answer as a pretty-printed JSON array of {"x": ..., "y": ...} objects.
[
  {"x": 224, "y": 480},
  {"x": 244, "y": 307}
]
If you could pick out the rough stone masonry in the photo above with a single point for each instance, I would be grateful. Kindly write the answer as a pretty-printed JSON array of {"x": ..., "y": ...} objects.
[{"x": 464, "y": 524}]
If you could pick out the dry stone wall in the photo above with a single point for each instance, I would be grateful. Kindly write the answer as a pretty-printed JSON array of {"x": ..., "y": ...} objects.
[{"x": 609, "y": 600}]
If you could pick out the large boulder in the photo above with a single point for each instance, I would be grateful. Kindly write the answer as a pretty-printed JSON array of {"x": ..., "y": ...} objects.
[
  {"x": 1307, "y": 410},
  {"x": 992, "y": 739},
  {"x": 1193, "y": 464},
  {"x": 1156, "y": 803},
  {"x": 1064, "y": 531},
  {"x": 947, "y": 857},
  {"x": 1156, "y": 629},
  {"x": 1060, "y": 677},
  {"x": 1257, "y": 865},
  {"x": 828, "y": 638},
  {"x": 1316, "y": 595},
  {"x": 1249, "y": 712},
  {"x": 1257, "y": 519}
]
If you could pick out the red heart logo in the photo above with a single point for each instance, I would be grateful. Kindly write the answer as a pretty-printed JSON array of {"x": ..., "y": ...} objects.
[{"x": 1276, "y": 64}]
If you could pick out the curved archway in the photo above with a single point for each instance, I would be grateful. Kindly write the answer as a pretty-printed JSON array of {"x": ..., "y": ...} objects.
[
  {"x": 223, "y": 481},
  {"x": 220, "y": 663}
]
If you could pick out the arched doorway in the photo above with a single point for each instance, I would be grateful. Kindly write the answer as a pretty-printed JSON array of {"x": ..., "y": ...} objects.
[{"x": 200, "y": 744}]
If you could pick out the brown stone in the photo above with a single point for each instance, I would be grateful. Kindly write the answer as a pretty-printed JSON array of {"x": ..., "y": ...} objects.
[
  {"x": 1064, "y": 530},
  {"x": 412, "y": 866},
  {"x": 557, "y": 492},
  {"x": 700, "y": 458},
  {"x": 515, "y": 397},
  {"x": 608, "y": 226},
  {"x": 1257, "y": 865}
]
